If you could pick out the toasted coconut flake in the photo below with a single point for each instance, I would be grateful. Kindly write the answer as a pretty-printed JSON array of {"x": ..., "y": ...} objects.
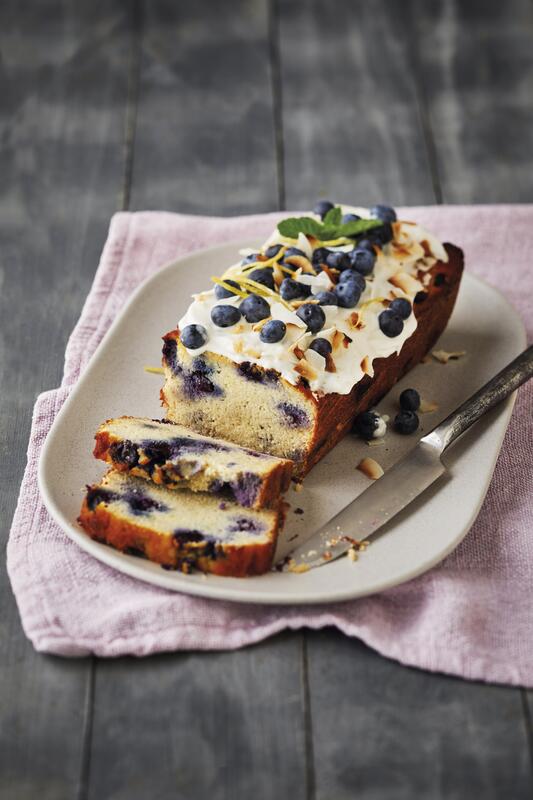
[
  {"x": 301, "y": 262},
  {"x": 427, "y": 407},
  {"x": 405, "y": 282},
  {"x": 252, "y": 353},
  {"x": 426, "y": 247},
  {"x": 332, "y": 274},
  {"x": 278, "y": 274},
  {"x": 330, "y": 363},
  {"x": 366, "y": 366},
  {"x": 353, "y": 319},
  {"x": 370, "y": 468},
  {"x": 337, "y": 340},
  {"x": 238, "y": 346},
  {"x": 346, "y": 342},
  {"x": 258, "y": 325},
  {"x": 305, "y": 369},
  {"x": 444, "y": 356}
]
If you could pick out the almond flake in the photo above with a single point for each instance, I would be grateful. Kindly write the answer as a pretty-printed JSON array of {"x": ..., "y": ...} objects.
[
  {"x": 370, "y": 468},
  {"x": 443, "y": 356}
]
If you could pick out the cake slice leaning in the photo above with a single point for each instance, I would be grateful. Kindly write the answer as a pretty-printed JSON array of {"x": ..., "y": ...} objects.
[
  {"x": 178, "y": 458},
  {"x": 180, "y": 530}
]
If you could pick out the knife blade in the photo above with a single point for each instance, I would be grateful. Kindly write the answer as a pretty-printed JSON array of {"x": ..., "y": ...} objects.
[{"x": 407, "y": 479}]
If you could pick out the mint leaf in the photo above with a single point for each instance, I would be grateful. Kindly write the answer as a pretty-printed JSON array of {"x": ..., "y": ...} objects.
[
  {"x": 333, "y": 217},
  {"x": 357, "y": 226},
  {"x": 294, "y": 225}
]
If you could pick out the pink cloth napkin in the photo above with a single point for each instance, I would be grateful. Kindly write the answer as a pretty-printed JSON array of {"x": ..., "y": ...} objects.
[{"x": 470, "y": 616}]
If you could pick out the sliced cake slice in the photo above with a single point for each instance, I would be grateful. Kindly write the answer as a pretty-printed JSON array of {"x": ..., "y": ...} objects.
[
  {"x": 178, "y": 458},
  {"x": 180, "y": 530}
]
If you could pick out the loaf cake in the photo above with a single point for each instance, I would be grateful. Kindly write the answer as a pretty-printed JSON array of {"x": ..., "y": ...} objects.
[
  {"x": 298, "y": 338},
  {"x": 178, "y": 458},
  {"x": 180, "y": 530}
]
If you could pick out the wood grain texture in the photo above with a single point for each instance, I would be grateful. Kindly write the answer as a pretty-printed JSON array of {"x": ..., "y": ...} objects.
[
  {"x": 63, "y": 79},
  {"x": 387, "y": 731}
]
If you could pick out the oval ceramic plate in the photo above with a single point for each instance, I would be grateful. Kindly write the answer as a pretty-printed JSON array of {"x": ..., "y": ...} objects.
[{"x": 115, "y": 383}]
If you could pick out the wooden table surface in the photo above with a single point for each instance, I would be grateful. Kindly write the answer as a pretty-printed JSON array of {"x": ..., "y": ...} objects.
[{"x": 227, "y": 108}]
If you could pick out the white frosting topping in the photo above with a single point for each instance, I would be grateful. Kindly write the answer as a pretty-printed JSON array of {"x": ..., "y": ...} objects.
[{"x": 354, "y": 333}]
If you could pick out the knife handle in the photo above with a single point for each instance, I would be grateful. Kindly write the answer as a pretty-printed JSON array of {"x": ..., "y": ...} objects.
[{"x": 497, "y": 389}]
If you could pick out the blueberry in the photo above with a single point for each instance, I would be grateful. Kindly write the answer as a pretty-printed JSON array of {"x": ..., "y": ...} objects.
[
  {"x": 263, "y": 275},
  {"x": 273, "y": 250},
  {"x": 320, "y": 255},
  {"x": 322, "y": 208},
  {"x": 350, "y": 218},
  {"x": 366, "y": 244},
  {"x": 362, "y": 260},
  {"x": 326, "y": 299},
  {"x": 293, "y": 290},
  {"x": 124, "y": 452},
  {"x": 225, "y": 316},
  {"x": 194, "y": 336},
  {"x": 338, "y": 260},
  {"x": 384, "y": 213},
  {"x": 391, "y": 324},
  {"x": 348, "y": 294},
  {"x": 313, "y": 316},
  {"x": 273, "y": 331},
  {"x": 321, "y": 346},
  {"x": 157, "y": 452},
  {"x": 250, "y": 259},
  {"x": 409, "y": 400},
  {"x": 402, "y": 307},
  {"x": 351, "y": 276},
  {"x": 221, "y": 293},
  {"x": 293, "y": 251},
  {"x": 405, "y": 422},
  {"x": 254, "y": 308},
  {"x": 365, "y": 425},
  {"x": 381, "y": 235}
]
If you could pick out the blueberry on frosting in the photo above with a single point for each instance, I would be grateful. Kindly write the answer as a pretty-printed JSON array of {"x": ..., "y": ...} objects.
[
  {"x": 348, "y": 294},
  {"x": 273, "y": 331},
  {"x": 313, "y": 316},
  {"x": 194, "y": 336},
  {"x": 390, "y": 324},
  {"x": 321, "y": 346},
  {"x": 322, "y": 208},
  {"x": 221, "y": 293},
  {"x": 263, "y": 275},
  {"x": 384, "y": 213},
  {"x": 402, "y": 307},
  {"x": 293, "y": 290},
  {"x": 254, "y": 308},
  {"x": 362, "y": 260},
  {"x": 327, "y": 299},
  {"x": 225, "y": 316}
]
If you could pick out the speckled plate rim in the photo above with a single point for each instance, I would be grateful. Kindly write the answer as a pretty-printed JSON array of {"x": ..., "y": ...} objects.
[{"x": 334, "y": 582}]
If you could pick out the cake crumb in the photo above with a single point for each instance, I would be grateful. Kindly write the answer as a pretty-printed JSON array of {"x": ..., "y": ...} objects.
[
  {"x": 352, "y": 554},
  {"x": 427, "y": 407},
  {"x": 298, "y": 511},
  {"x": 298, "y": 568},
  {"x": 370, "y": 468},
  {"x": 375, "y": 442},
  {"x": 444, "y": 356},
  {"x": 154, "y": 370},
  {"x": 298, "y": 487}
]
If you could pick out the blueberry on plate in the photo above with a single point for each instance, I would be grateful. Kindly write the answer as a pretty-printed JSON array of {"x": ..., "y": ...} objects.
[
  {"x": 293, "y": 290},
  {"x": 321, "y": 346},
  {"x": 322, "y": 208},
  {"x": 320, "y": 255},
  {"x": 326, "y": 299},
  {"x": 402, "y": 307},
  {"x": 348, "y": 294},
  {"x": 254, "y": 308},
  {"x": 351, "y": 276},
  {"x": 263, "y": 275},
  {"x": 221, "y": 293},
  {"x": 409, "y": 400},
  {"x": 249, "y": 259},
  {"x": 391, "y": 324},
  {"x": 313, "y": 316},
  {"x": 273, "y": 331},
  {"x": 350, "y": 218},
  {"x": 338, "y": 260},
  {"x": 193, "y": 336},
  {"x": 273, "y": 250},
  {"x": 362, "y": 260},
  {"x": 366, "y": 424},
  {"x": 225, "y": 316},
  {"x": 405, "y": 422},
  {"x": 384, "y": 213}
]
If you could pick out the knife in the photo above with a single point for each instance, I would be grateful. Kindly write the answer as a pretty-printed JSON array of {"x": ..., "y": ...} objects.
[{"x": 407, "y": 479}]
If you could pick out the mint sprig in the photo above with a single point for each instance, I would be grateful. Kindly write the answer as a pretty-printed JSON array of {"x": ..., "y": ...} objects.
[{"x": 331, "y": 228}]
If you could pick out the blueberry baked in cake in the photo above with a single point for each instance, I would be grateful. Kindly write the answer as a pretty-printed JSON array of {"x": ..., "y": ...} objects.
[
  {"x": 299, "y": 337},
  {"x": 180, "y": 530},
  {"x": 178, "y": 458}
]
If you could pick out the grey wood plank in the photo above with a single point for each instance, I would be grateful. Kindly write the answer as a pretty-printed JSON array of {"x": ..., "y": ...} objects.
[
  {"x": 218, "y": 725},
  {"x": 63, "y": 76},
  {"x": 350, "y": 114},
  {"x": 205, "y": 132},
  {"x": 388, "y": 731},
  {"x": 476, "y": 75},
  {"x": 361, "y": 61}
]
